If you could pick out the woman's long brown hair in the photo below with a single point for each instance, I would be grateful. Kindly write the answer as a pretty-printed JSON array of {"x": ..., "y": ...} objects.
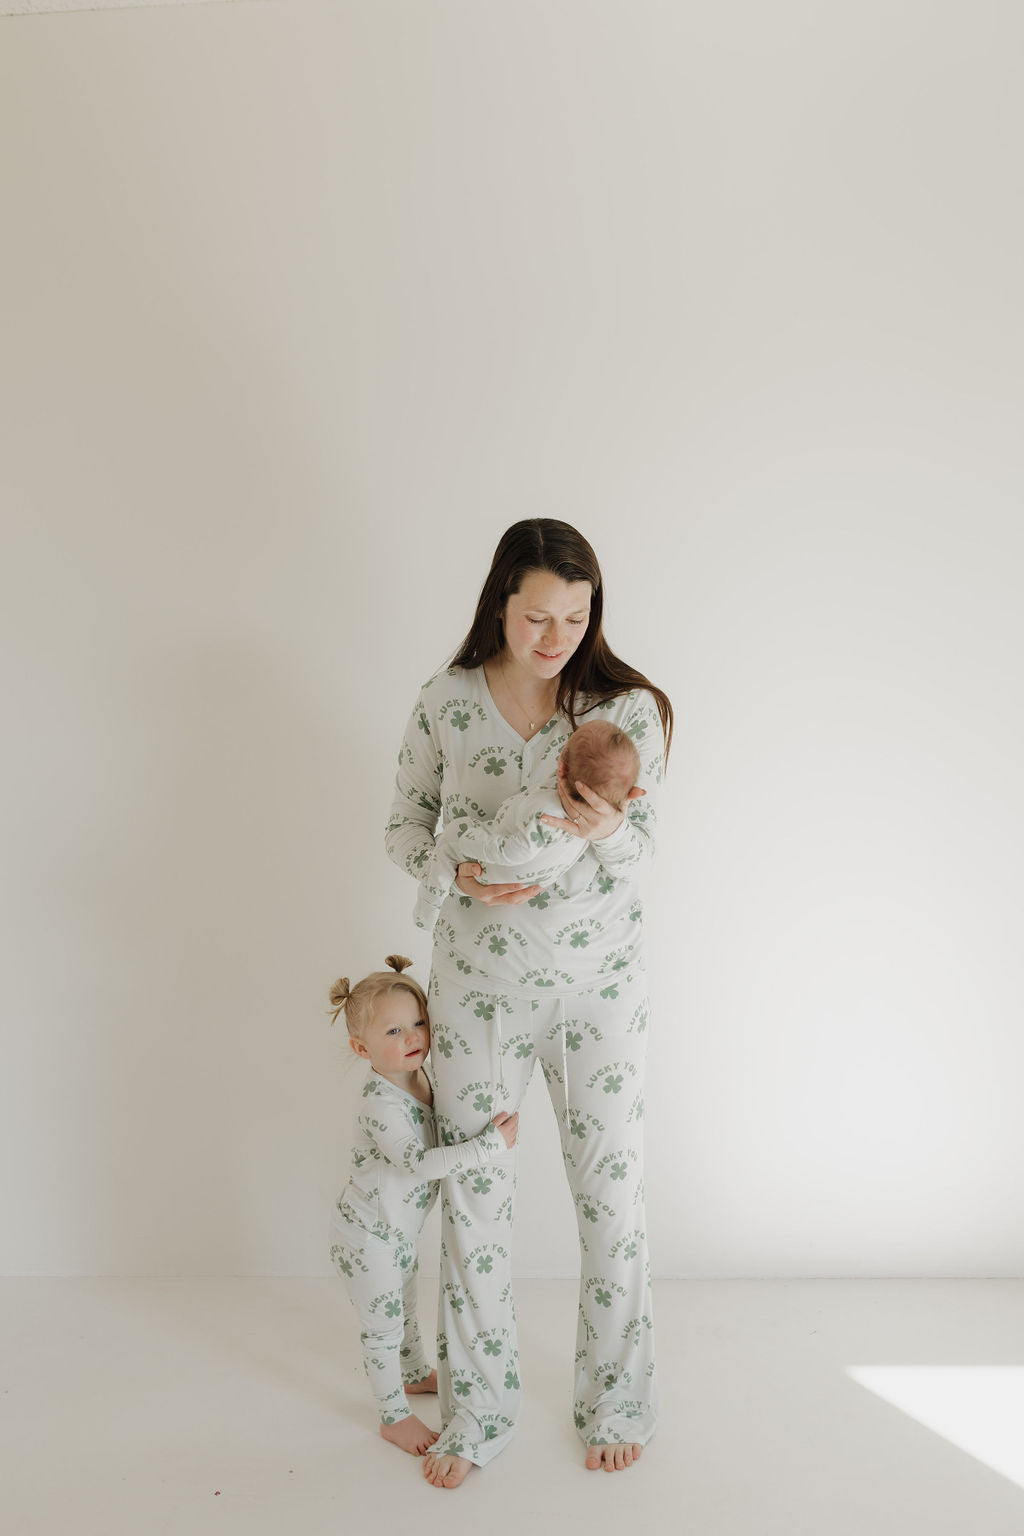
[{"x": 545, "y": 544}]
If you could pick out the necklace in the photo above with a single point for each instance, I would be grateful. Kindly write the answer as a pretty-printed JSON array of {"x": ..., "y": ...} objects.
[{"x": 524, "y": 712}]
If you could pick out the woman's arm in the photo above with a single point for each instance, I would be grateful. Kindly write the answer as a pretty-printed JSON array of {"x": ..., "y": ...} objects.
[
  {"x": 416, "y": 807},
  {"x": 629, "y": 845}
]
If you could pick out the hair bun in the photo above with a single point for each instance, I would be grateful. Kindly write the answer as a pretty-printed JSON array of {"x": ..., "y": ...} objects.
[
  {"x": 398, "y": 962},
  {"x": 339, "y": 995}
]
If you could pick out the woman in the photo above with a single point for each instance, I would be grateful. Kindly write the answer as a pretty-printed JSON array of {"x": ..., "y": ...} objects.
[{"x": 520, "y": 973}]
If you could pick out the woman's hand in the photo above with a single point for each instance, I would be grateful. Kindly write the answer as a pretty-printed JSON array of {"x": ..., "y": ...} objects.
[
  {"x": 508, "y": 1125},
  {"x": 597, "y": 820},
  {"x": 491, "y": 895}
]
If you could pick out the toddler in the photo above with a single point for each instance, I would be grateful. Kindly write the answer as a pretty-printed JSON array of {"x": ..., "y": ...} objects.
[
  {"x": 516, "y": 846},
  {"x": 396, "y": 1164}
]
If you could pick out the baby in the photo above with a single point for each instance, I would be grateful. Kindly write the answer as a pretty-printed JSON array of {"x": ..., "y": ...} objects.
[
  {"x": 516, "y": 847},
  {"x": 396, "y": 1165}
]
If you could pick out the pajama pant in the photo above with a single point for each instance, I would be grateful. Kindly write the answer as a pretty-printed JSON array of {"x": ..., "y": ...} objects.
[
  {"x": 591, "y": 1048},
  {"x": 381, "y": 1280}
]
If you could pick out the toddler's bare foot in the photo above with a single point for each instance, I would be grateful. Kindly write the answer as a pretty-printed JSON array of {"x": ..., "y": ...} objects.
[
  {"x": 410, "y": 1434},
  {"x": 445, "y": 1471},
  {"x": 613, "y": 1458},
  {"x": 427, "y": 1383}
]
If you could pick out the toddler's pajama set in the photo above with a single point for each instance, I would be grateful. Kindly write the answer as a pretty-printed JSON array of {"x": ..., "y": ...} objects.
[
  {"x": 396, "y": 1164},
  {"x": 559, "y": 979}
]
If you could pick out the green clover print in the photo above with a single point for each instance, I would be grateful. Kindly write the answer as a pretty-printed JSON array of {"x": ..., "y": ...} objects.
[
  {"x": 580, "y": 940},
  {"x": 495, "y": 765},
  {"x": 492, "y": 1347},
  {"x": 463, "y": 1388},
  {"x": 483, "y": 1102},
  {"x": 511, "y": 1381},
  {"x": 481, "y": 1185},
  {"x": 619, "y": 1170},
  {"x": 613, "y": 1085},
  {"x": 573, "y": 1041},
  {"x": 484, "y": 1264},
  {"x": 498, "y": 946},
  {"x": 459, "y": 719},
  {"x": 603, "y": 1298},
  {"x": 484, "y": 1011},
  {"x": 393, "y": 1307}
]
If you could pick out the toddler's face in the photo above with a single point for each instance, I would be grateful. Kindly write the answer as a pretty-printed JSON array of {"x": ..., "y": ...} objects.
[{"x": 397, "y": 1038}]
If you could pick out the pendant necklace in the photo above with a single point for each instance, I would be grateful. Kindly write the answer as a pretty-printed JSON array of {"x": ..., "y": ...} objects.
[{"x": 524, "y": 712}]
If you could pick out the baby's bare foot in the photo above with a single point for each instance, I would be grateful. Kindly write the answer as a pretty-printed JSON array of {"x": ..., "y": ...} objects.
[
  {"x": 613, "y": 1458},
  {"x": 410, "y": 1434},
  {"x": 426, "y": 1383},
  {"x": 445, "y": 1471}
]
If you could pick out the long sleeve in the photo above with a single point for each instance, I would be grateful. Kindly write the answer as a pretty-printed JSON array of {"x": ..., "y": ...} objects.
[
  {"x": 631, "y": 847},
  {"x": 516, "y": 841},
  {"x": 416, "y": 807},
  {"x": 387, "y": 1126}
]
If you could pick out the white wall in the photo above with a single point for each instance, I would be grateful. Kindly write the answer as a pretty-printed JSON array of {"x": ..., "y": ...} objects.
[{"x": 304, "y": 304}]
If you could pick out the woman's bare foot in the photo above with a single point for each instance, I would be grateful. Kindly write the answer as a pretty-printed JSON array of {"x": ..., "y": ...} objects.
[
  {"x": 425, "y": 1384},
  {"x": 613, "y": 1458},
  {"x": 446, "y": 1471},
  {"x": 410, "y": 1434}
]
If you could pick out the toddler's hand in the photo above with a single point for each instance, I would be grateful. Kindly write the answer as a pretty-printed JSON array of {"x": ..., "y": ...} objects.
[{"x": 508, "y": 1125}]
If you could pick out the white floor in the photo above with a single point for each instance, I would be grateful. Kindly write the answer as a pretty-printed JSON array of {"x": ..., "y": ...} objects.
[{"x": 181, "y": 1407}]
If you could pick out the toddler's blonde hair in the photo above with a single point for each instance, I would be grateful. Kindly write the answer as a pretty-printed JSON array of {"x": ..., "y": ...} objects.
[{"x": 358, "y": 1002}]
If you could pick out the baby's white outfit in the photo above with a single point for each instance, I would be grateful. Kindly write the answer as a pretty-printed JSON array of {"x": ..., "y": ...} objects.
[{"x": 516, "y": 847}]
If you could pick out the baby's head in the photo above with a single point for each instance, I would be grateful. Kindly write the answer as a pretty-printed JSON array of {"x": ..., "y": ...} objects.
[
  {"x": 603, "y": 758},
  {"x": 387, "y": 1018}
]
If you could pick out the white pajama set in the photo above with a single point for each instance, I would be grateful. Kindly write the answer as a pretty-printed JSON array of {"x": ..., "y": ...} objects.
[
  {"x": 559, "y": 979},
  {"x": 396, "y": 1165}
]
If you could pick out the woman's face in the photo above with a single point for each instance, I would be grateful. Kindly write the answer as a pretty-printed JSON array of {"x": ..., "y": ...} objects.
[{"x": 545, "y": 622}]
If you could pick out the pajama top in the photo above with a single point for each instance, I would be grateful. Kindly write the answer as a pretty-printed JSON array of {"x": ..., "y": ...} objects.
[
  {"x": 459, "y": 761},
  {"x": 396, "y": 1162}
]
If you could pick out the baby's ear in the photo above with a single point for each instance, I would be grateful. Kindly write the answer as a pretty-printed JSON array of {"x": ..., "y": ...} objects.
[
  {"x": 358, "y": 1046},
  {"x": 561, "y": 769}
]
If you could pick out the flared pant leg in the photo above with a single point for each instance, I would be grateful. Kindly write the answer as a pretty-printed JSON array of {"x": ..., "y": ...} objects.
[
  {"x": 597, "y": 1090},
  {"x": 591, "y": 1047}
]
